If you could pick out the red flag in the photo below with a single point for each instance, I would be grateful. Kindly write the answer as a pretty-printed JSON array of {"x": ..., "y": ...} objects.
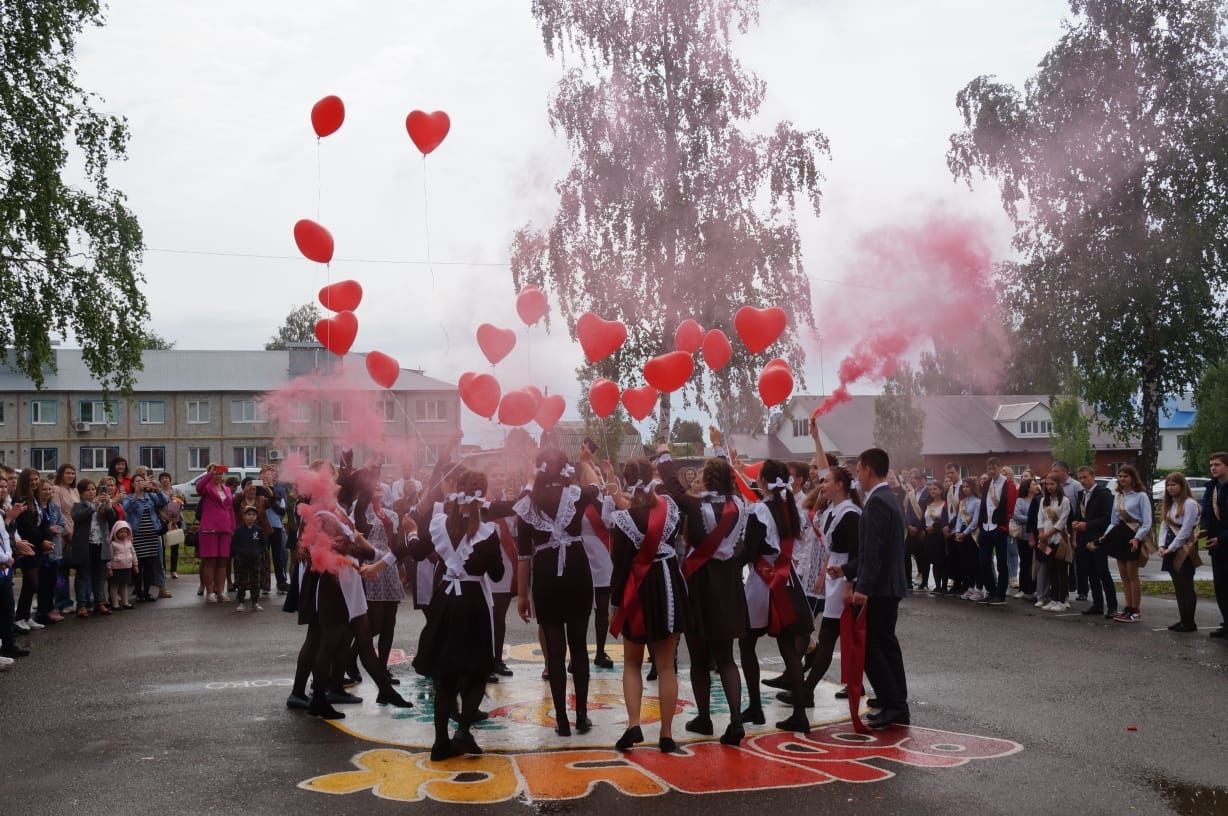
[{"x": 853, "y": 661}]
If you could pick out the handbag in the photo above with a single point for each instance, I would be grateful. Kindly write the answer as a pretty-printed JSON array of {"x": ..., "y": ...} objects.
[{"x": 174, "y": 538}]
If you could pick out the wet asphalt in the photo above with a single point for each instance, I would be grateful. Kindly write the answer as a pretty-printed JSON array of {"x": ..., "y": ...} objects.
[{"x": 175, "y": 708}]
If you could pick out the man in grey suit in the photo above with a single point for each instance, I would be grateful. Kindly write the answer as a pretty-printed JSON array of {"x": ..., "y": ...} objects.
[{"x": 881, "y": 583}]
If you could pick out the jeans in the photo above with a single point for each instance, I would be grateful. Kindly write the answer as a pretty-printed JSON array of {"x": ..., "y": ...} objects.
[
  {"x": 1012, "y": 556},
  {"x": 993, "y": 543},
  {"x": 277, "y": 553},
  {"x": 91, "y": 582},
  {"x": 6, "y": 612},
  {"x": 1104, "y": 593}
]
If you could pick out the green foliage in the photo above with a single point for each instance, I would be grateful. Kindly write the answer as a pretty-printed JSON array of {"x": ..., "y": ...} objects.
[
  {"x": 1209, "y": 433},
  {"x": 672, "y": 209},
  {"x": 899, "y": 424},
  {"x": 68, "y": 252},
  {"x": 153, "y": 341},
  {"x": 1072, "y": 439},
  {"x": 687, "y": 430},
  {"x": 299, "y": 327},
  {"x": 1113, "y": 165}
]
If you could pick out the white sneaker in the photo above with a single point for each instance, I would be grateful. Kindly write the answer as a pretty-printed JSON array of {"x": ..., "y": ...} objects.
[
  {"x": 33, "y": 624},
  {"x": 211, "y": 598},
  {"x": 22, "y": 625},
  {"x": 1020, "y": 595},
  {"x": 1014, "y": 583},
  {"x": 1041, "y": 604},
  {"x": 978, "y": 595},
  {"x": 967, "y": 596},
  {"x": 1056, "y": 606},
  {"x": 257, "y": 608},
  {"x": 6, "y": 662},
  {"x": 240, "y": 608},
  {"x": 1065, "y": 605}
]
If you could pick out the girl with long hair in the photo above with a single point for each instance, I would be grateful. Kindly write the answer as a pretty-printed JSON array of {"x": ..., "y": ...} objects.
[
  {"x": 933, "y": 542},
  {"x": 1128, "y": 539},
  {"x": 64, "y": 487},
  {"x": 1053, "y": 542},
  {"x": 966, "y": 532},
  {"x": 1180, "y": 551},
  {"x": 34, "y": 528}
]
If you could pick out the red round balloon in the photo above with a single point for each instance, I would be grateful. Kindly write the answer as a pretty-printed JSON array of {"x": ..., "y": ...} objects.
[
  {"x": 550, "y": 411},
  {"x": 775, "y": 383},
  {"x": 599, "y": 337},
  {"x": 669, "y": 372},
  {"x": 640, "y": 402},
  {"x": 315, "y": 242},
  {"x": 480, "y": 393},
  {"x": 337, "y": 333},
  {"x": 383, "y": 369},
  {"x": 327, "y": 115},
  {"x": 778, "y": 362},
  {"x": 717, "y": 350},
  {"x": 342, "y": 296},
  {"x": 531, "y": 304},
  {"x": 759, "y": 328},
  {"x": 496, "y": 343},
  {"x": 689, "y": 337},
  {"x": 427, "y": 130},
  {"x": 603, "y": 397},
  {"x": 518, "y": 407}
]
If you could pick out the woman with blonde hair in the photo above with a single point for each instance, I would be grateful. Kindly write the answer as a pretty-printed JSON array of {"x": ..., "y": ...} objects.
[
  {"x": 1128, "y": 538},
  {"x": 1180, "y": 550}
]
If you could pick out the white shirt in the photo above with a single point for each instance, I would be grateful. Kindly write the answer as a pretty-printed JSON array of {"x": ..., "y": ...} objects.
[{"x": 997, "y": 486}]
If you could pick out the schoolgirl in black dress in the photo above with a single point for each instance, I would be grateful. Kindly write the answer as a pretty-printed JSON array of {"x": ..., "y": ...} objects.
[
  {"x": 933, "y": 540},
  {"x": 551, "y": 549},
  {"x": 775, "y": 602},
  {"x": 715, "y": 523},
  {"x": 650, "y": 595}
]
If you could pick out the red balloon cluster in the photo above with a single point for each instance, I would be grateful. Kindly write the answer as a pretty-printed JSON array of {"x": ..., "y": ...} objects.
[
  {"x": 775, "y": 382},
  {"x": 519, "y": 406},
  {"x": 480, "y": 393}
]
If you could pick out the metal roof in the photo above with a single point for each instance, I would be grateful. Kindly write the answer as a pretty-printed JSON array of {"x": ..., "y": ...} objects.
[{"x": 184, "y": 370}]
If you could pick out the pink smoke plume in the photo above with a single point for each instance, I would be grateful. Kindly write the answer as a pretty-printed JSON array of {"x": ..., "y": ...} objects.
[{"x": 933, "y": 284}]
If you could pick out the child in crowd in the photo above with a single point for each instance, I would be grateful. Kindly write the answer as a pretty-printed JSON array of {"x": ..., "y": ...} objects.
[
  {"x": 247, "y": 545},
  {"x": 122, "y": 565}
]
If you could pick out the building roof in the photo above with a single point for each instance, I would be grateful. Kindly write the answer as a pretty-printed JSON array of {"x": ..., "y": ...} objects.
[
  {"x": 1009, "y": 413},
  {"x": 184, "y": 370},
  {"x": 570, "y": 434},
  {"x": 1175, "y": 415}
]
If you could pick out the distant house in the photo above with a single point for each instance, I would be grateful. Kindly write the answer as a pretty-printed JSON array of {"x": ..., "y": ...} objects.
[
  {"x": 966, "y": 429},
  {"x": 566, "y": 436},
  {"x": 1176, "y": 419}
]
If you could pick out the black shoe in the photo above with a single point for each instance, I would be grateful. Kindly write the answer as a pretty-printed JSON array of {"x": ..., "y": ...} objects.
[
  {"x": 668, "y": 746},
  {"x": 887, "y": 717},
  {"x": 394, "y": 681},
  {"x": 781, "y": 682},
  {"x": 1184, "y": 627},
  {"x": 843, "y": 693},
  {"x": 494, "y": 678},
  {"x": 652, "y": 673},
  {"x": 563, "y": 729},
  {"x": 1222, "y": 632},
  {"x": 873, "y": 702},
  {"x": 342, "y": 698},
  {"x": 14, "y": 651},
  {"x": 786, "y": 697},
  {"x": 754, "y": 715},
  {"x": 502, "y": 670},
  {"x": 481, "y": 716},
  {"x": 321, "y": 708},
  {"x": 796, "y": 723},
  {"x": 632, "y": 736},
  {"x": 1093, "y": 610},
  {"x": 390, "y": 697},
  {"x": 700, "y": 725},
  {"x": 603, "y": 661},
  {"x": 464, "y": 743},
  {"x": 733, "y": 735},
  {"x": 441, "y": 751},
  {"x": 351, "y": 678},
  {"x": 584, "y": 725},
  {"x": 297, "y": 701}
]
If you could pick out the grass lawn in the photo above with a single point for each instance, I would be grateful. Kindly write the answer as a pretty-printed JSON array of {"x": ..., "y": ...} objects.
[{"x": 1164, "y": 589}]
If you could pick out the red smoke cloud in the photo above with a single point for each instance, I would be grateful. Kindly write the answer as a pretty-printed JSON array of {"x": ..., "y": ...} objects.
[{"x": 932, "y": 282}]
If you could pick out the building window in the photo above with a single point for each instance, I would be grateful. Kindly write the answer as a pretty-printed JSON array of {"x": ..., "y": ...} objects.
[
  {"x": 339, "y": 412},
  {"x": 98, "y": 412},
  {"x": 97, "y": 458},
  {"x": 44, "y": 458},
  {"x": 152, "y": 457},
  {"x": 430, "y": 410},
  {"x": 3, "y": 457},
  {"x": 1183, "y": 441},
  {"x": 303, "y": 452},
  {"x": 151, "y": 412},
  {"x": 250, "y": 456},
  {"x": 1019, "y": 469},
  {"x": 1, "y": 413},
  {"x": 1115, "y": 467},
  {"x": 44, "y": 412},
  {"x": 387, "y": 408},
  {"x": 801, "y": 427},
  {"x": 964, "y": 471},
  {"x": 198, "y": 412},
  {"x": 198, "y": 458},
  {"x": 247, "y": 411},
  {"x": 433, "y": 452},
  {"x": 301, "y": 412},
  {"x": 1036, "y": 427}
]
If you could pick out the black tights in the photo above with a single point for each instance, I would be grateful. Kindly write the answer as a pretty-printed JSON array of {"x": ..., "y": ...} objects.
[
  {"x": 601, "y": 617},
  {"x": 29, "y": 588},
  {"x": 503, "y": 600},
  {"x": 792, "y": 647},
  {"x": 701, "y": 652},
  {"x": 470, "y": 690},
  {"x": 923, "y": 570},
  {"x": 306, "y": 660},
  {"x": 560, "y": 638},
  {"x": 383, "y": 621},
  {"x": 829, "y": 633}
]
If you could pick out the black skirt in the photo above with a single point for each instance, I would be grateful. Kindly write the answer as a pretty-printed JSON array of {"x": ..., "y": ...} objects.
[
  {"x": 320, "y": 601},
  {"x": 663, "y": 603},
  {"x": 803, "y": 623},
  {"x": 1117, "y": 544},
  {"x": 934, "y": 546},
  {"x": 562, "y": 598},
  {"x": 717, "y": 601},
  {"x": 457, "y": 641}
]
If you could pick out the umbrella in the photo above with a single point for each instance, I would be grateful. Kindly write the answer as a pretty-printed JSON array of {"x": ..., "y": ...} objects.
[{"x": 853, "y": 660}]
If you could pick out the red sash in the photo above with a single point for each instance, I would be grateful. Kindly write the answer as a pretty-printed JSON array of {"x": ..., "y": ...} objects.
[
  {"x": 701, "y": 554},
  {"x": 630, "y": 616},
  {"x": 505, "y": 539},
  {"x": 780, "y": 609},
  {"x": 853, "y": 661},
  {"x": 594, "y": 518}
]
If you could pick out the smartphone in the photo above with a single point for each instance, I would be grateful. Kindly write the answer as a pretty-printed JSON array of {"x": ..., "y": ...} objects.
[{"x": 221, "y": 469}]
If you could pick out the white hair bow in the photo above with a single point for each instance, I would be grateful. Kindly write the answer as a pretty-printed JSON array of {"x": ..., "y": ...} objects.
[{"x": 567, "y": 470}]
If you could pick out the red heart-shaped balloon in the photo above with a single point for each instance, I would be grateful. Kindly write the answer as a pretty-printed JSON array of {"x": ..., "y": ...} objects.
[
  {"x": 640, "y": 402},
  {"x": 342, "y": 296},
  {"x": 496, "y": 343},
  {"x": 550, "y": 411},
  {"x": 598, "y": 337},
  {"x": 603, "y": 397},
  {"x": 778, "y": 362},
  {"x": 480, "y": 393},
  {"x": 337, "y": 333},
  {"x": 752, "y": 471},
  {"x": 669, "y": 372},
  {"x": 531, "y": 304},
  {"x": 315, "y": 242},
  {"x": 518, "y": 407},
  {"x": 383, "y": 369},
  {"x": 427, "y": 130},
  {"x": 759, "y": 328},
  {"x": 775, "y": 383},
  {"x": 689, "y": 336},
  {"x": 327, "y": 115},
  {"x": 717, "y": 350}
]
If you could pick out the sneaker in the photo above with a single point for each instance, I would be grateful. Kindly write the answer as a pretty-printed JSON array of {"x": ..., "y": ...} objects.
[
  {"x": 967, "y": 596},
  {"x": 1014, "y": 583},
  {"x": 999, "y": 600},
  {"x": 163, "y": 593},
  {"x": 240, "y": 608},
  {"x": 1081, "y": 597},
  {"x": 6, "y": 663},
  {"x": 1020, "y": 595},
  {"x": 1134, "y": 617},
  {"x": 1123, "y": 616},
  {"x": 22, "y": 625},
  {"x": 211, "y": 598},
  {"x": 33, "y": 624},
  {"x": 1053, "y": 606},
  {"x": 257, "y": 608},
  {"x": 175, "y": 575},
  {"x": 1041, "y": 604}
]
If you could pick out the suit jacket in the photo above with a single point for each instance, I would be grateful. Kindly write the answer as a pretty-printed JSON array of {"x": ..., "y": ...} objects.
[
  {"x": 1099, "y": 511},
  {"x": 880, "y": 543}
]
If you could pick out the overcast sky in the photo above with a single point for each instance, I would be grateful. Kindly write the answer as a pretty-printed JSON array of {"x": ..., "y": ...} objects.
[{"x": 223, "y": 159}]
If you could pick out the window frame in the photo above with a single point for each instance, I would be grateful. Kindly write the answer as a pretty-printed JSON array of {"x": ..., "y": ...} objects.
[
  {"x": 142, "y": 407},
  {"x": 259, "y": 413},
  {"x": 108, "y": 417},
  {"x": 257, "y": 459},
  {"x": 39, "y": 403},
  {"x": 108, "y": 453},
  {"x": 422, "y": 414},
  {"x": 333, "y": 412},
  {"x": 193, "y": 453},
  {"x": 140, "y": 457},
  {"x": 55, "y": 458},
  {"x": 208, "y": 411}
]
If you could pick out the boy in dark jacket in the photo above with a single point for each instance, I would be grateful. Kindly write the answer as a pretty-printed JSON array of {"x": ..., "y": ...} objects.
[{"x": 247, "y": 545}]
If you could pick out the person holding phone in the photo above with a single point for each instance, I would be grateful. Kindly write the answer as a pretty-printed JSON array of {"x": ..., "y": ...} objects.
[
  {"x": 34, "y": 530},
  {"x": 217, "y": 525},
  {"x": 141, "y": 509},
  {"x": 9, "y": 649}
]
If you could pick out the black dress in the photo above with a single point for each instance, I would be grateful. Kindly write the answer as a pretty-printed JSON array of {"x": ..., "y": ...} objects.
[
  {"x": 760, "y": 541},
  {"x": 458, "y": 639},
  {"x": 662, "y": 593},
  {"x": 557, "y": 599},
  {"x": 320, "y": 600}
]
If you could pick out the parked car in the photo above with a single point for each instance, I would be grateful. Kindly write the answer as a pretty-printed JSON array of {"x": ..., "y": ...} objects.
[
  {"x": 188, "y": 489},
  {"x": 1108, "y": 481},
  {"x": 1198, "y": 486}
]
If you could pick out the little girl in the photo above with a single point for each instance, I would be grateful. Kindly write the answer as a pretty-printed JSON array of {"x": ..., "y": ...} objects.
[{"x": 122, "y": 565}]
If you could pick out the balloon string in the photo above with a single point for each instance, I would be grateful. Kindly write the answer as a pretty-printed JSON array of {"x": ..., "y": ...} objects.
[
  {"x": 426, "y": 228},
  {"x": 319, "y": 180}
]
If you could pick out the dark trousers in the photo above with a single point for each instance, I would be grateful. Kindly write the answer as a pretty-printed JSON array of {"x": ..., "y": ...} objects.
[
  {"x": 91, "y": 583},
  {"x": 993, "y": 548},
  {"x": 1100, "y": 580},
  {"x": 1219, "y": 572},
  {"x": 884, "y": 660},
  {"x": 277, "y": 552},
  {"x": 174, "y": 559},
  {"x": 1027, "y": 581},
  {"x": 29, "y": 585},
  {"x": 147, "y": 576},
  {"x": 968, "y": 562},
  {"x": 48, "y": 572},
  {"x": 1183, "y": 588},
  {"x": 6, "y": 612},
  {"x": 1085, "y": 570}
]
